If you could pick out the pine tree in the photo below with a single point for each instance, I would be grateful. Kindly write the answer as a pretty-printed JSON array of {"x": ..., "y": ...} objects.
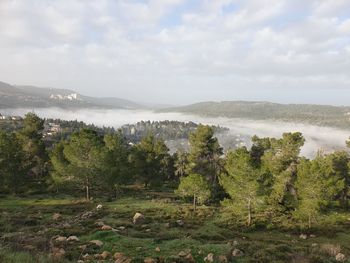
[
  {"x": 195, "y": 186},
  {"x": 241, "y": 183}
]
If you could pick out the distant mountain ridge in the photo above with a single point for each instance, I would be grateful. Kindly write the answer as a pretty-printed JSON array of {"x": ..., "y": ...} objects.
[
  {"x": 323, "y": 115},
  {"x": 12, "y": 96}
]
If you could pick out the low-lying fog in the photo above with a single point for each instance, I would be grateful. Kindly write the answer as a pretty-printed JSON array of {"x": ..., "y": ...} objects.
[{"x": 316, "y": 137}]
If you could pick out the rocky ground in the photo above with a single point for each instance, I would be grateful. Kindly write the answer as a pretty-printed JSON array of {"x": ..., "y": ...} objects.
[{"x": 152, "y": 227}]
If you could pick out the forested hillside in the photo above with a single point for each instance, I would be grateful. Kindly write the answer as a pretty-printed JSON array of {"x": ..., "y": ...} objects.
[{"x": 333, "y": 116}]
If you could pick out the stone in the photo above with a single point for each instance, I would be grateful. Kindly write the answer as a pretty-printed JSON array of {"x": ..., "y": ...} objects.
[
  {"x": 105, "y": 255},
  {"x": 122, "y": 228},
  {"x": 189, "y": 258},
  {"x": 61, "y": 239},
  {"x": 121, "y": 258},
  {"x": 157, "y": 249},
  {"x": 83, "y": 247},
  {"x": 209, "y": 258},
  {"x": 237, "y": 252},
  {"x": 182, "y": 254},
  {"x": 312, "y": 236},
  {"x": 56, "y": 216},
  {"x": 80, "y": 261},
  {"x": 106, "y": 228},
  {"x": 167, "y": 225},
  {"x": 149, "y": 260},
  {"x": 73, "y": 239},
  {"x": 180, "y": 222},
  {"x": 303, "y": 236},
  {"x": 58, "y": 252},
  {"x": 223, "y": 259},
  {"x": 99, "y": 207},
  {"x": 138, "y": 219},
  {"x": 98, "y": 243},
  {"x": 340, "y": 257},
  {"x": 148, "y": 230}
]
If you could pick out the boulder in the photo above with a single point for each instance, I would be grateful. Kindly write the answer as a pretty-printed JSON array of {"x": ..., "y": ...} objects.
[
  {"x": 105, "y": 255},
  {"x": 61, "y": 239},
  {"x": 73, "y": 239},
  {"x": 58, "y": 252},
  {"x": 303, "y": 236},
  {"x": 56, "y": 216},
  {"x": 340, "y": 257},
  {"x": 209, "y": 258},
  {"x": 157, "y": 249},
  {"x": 237, "y": 252},
  {"x": 149, "y": 260},
  {"x": 106, "y": 228},
  {"x": 222, "y": 259},
  {"x": 189, "y": 258},
  {"x": 138, "y": 219},
  {"x": 121, "y": 258},
  {"x": 98, "y": 243}
]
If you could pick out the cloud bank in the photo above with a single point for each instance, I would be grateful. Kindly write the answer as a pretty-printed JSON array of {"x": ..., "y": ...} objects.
[{"x": 159, "y": 50}]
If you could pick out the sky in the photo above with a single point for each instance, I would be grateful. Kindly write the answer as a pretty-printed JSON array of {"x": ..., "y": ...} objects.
[{"x": 180, "y": 52}]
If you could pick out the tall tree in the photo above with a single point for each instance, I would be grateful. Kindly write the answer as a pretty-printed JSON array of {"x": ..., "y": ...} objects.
[
  {"x": 149, "y": 158},
  {"x": 181, "y": 163},
  {"x": 280, "y": 161},
  {"x": 13, "y": 168},
  {"x": 195, "y": 186},
  {"x": 83, "y": 152},
  {"x": 241, "y": 183},
  {"x": 116, "y": 162},
  {"x": 310, "y": 190},
  {"x": 33, "y": 146},
  {"x": 204, "y": 155}
]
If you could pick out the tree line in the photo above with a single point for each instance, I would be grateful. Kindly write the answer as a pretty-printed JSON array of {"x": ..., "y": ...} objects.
[{"x": 269, "y": 182}]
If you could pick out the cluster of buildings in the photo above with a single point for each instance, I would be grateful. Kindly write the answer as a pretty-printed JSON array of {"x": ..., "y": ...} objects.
[
  {"x": 13, "y": 118},
  {"x": 73, "y": 96}
]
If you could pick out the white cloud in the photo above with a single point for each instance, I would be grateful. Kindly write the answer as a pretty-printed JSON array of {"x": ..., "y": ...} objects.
[{"x": 165, "y": 44}]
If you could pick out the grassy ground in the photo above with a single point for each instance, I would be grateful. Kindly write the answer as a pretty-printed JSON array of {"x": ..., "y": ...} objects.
[{"x": 27, "y": 231}]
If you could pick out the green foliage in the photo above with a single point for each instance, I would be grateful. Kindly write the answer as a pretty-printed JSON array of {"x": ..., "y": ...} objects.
[
  {"x": 150, "y": 158},
  {"x": 13, "y": 169},
  {"x": 82, "y": 152},
  {"x": 194, "y": 186},
  {"x": 116, "y": 164},
  {"x": 280, "y": 162},
  {"x": 204, "y": 156},
  {"x": 310, "y": 189},
  {"x": 33, "y": 146},
  {"x": 181, "y": 163},
  {"x": 241, "y": 183}
]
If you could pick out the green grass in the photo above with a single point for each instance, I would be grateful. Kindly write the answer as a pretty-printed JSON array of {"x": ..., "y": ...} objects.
[{"x": 28, "y": 221}]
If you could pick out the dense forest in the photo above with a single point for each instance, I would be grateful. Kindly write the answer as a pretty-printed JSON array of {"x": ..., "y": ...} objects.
[{"x": 267, "y": 186}]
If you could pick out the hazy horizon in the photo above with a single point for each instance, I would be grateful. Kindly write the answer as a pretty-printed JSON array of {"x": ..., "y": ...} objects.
[{"x": 180, "y": 52}]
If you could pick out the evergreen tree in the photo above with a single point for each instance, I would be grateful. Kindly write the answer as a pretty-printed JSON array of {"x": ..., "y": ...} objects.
[
  {"x": 310, "y": 190},
  {"x": 13, "y": 168},
  {"x": 116, "y": 164},
  {"x": 280, "y": 162},
  {"x": 33, "y": 146},
  {"x": 241, "y": 183},
  {"x": 195, "y": 186},
  {"x": 181, "y": 163},
  {"x": 83, "y": 154},
  {"x": 204, "y": 156},
  {"x": 149, "y": 158}
]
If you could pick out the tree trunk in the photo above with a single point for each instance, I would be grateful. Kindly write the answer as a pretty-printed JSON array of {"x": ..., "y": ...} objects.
[
  {"x": 87, "y": 189},
  {"x": 309, "y": 221},
  {"x": 194, "y": 202},
  {"x": 249, "y": 221}
]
